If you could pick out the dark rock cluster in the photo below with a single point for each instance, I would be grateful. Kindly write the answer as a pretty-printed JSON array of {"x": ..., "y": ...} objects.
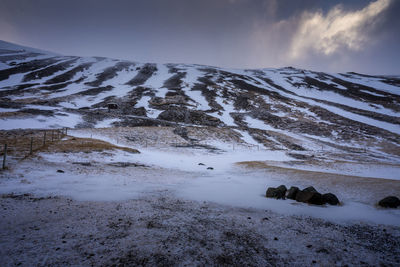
[
  {"x": 181, "y": 114},
  {"x": 308, "y": 195}
]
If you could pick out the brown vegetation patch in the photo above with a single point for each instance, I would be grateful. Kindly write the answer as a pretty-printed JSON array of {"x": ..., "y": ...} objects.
[
  {"x": 19, "y": 142},
  {"x": 87, "y": 145}
]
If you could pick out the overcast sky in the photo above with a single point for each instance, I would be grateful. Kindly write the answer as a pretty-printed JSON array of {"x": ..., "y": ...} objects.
[{"x": 322, "y": 35}]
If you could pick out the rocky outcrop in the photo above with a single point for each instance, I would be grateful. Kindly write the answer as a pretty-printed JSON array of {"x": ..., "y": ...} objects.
[
  {"x": 169, "y": 100},
  {"x": 308, "y": 195},
  {"x": 181, "y": 114},
  {"x": 311, "y": 196}
]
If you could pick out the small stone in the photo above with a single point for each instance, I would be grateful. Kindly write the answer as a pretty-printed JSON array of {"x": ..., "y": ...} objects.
[
  {"x": 323, "y": 250},
  {"x": 275, "y": 238},
  {"x": 201, "y": 164},
  {"x": 60, "y": 171},
  {"x": 210, "y": 168}
]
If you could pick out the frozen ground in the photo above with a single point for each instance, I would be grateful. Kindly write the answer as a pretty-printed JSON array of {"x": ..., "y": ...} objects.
[
  {"x": 160, "y": 207},
  {"x": 119, "y": 175},
  {"x": 160, "y": 229}
]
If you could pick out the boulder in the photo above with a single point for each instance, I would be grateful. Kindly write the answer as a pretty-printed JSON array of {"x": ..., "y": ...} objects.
[
  {"x": 292, "y": 192},
  {"x": 278, "y": 192},
  {"x": 330, "y": 198},
  {"x": 310, "y": 195},
  {"x": 310, "y": 189},
  {"x": 316, "y": 199},
  {"x": 389, "y": 202},
  {"x": 302, "y": 196}
]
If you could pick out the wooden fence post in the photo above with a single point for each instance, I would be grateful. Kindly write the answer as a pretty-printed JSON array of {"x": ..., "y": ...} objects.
[
  {"x": 4, "y": 156},
  {"x": 44, "y": 138},
  {"x": 52, "y": 135},
  {"x": 30, "y": 150}
]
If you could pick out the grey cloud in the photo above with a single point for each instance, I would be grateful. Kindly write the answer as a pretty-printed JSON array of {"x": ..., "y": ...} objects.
[
  {"x": 336, "y": 30},
  {"x": 228, "y": 33}
]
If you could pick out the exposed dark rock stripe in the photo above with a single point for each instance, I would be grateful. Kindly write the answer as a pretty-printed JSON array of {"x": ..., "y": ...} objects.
[
  {"x": 144, "y": 74},
  {"x": 66, "y": 76},
  {"x": 110, "y": 73},
  {"x": 27, "y": 66},
  {"x": 6, "y": 51},
  {"x": 48, "y": 71},
  {"x": 362, "y": 112},
  {"x": 395, "y": 81},
  {"x": 6, "y": 58},
  {"x": 95, "y": 91},
  {"x": 175, "y": 82}
]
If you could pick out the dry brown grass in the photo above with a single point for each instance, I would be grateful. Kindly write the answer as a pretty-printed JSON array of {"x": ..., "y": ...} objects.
[
  {"x": 18, "y": 142},
  {"x": 74, "y": 144}
]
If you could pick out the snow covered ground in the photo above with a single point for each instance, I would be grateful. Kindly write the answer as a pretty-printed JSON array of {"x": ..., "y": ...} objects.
[
  {"x": 161, "y": 207},
  {"x": 98, "y": 176}
]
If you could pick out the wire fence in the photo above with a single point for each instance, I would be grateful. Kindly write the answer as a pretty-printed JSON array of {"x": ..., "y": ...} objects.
[
  {"x": 20, "y": 144},
  {"x": 24, "y": 144}
]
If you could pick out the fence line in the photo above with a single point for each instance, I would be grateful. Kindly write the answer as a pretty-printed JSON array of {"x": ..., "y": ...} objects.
[{"x": 56, "y": 135}]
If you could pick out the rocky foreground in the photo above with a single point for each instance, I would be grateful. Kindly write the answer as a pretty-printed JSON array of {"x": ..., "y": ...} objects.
[{"x": 162, "y": 230}]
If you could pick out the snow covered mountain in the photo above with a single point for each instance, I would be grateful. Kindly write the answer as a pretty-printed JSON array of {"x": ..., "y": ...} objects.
[{"x": 283, "y": 108}]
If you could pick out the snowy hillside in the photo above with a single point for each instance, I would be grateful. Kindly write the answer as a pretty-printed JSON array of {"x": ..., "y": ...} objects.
[
  {"x": 278, "y": 108},
  {"x": 171, "y": 164}
]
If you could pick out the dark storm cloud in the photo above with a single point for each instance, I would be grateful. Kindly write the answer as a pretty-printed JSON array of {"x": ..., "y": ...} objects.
[{"x": 231, "y": 33}]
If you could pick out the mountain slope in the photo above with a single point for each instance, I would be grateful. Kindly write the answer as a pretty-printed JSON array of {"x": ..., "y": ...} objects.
[{"x": 278, "y": 108}]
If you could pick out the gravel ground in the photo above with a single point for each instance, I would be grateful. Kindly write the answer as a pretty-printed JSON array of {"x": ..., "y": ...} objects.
[{"x": 159, "y": 229}]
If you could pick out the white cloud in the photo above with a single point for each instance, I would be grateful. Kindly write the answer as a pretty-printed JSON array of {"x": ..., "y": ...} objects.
[{"x": 336, "y": 30}]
